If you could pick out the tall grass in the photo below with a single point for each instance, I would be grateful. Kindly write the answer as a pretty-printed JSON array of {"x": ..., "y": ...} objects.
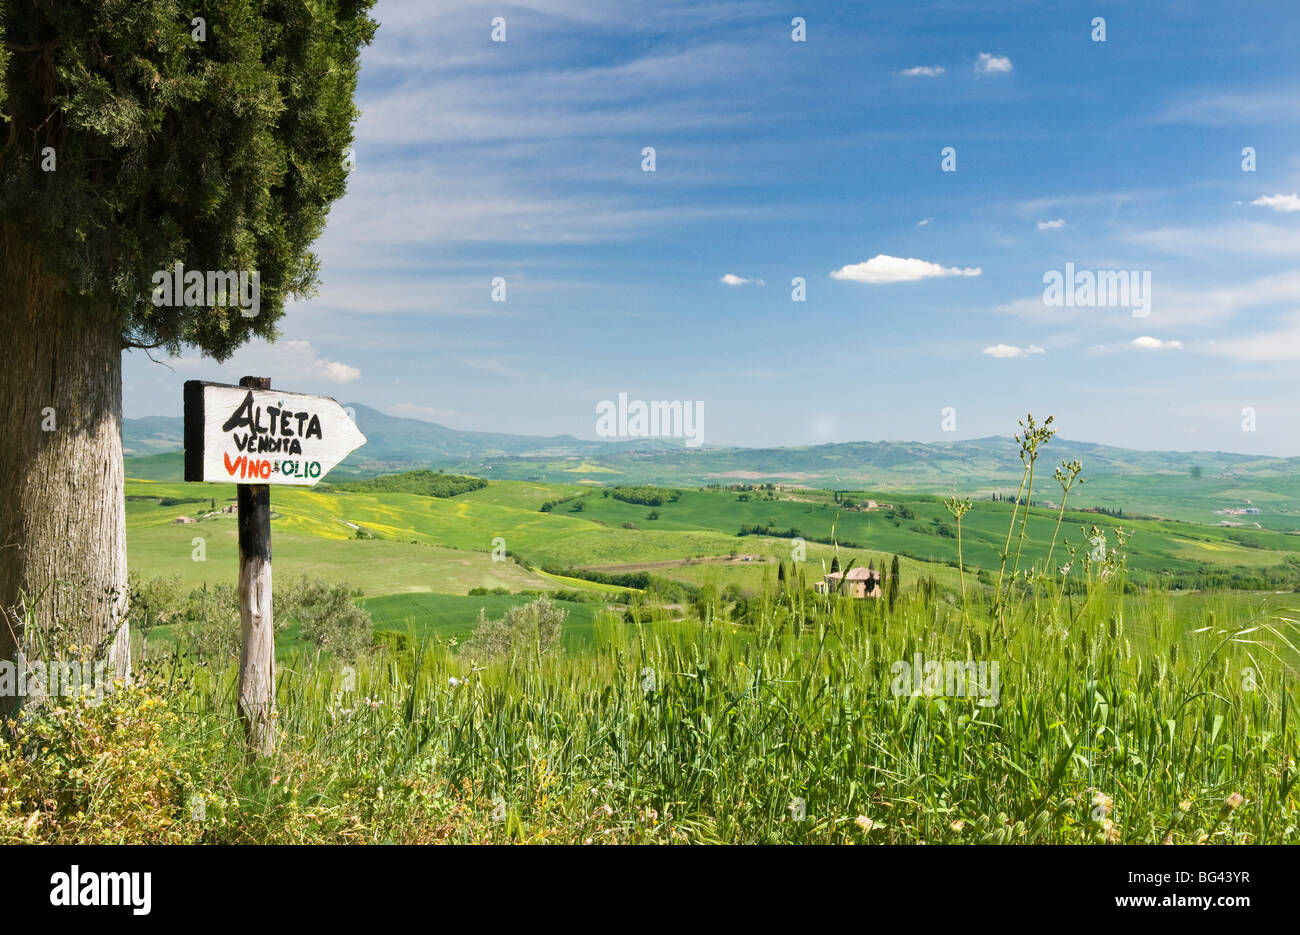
[
  {"x": 1121, "y": 718},
  {"x": 1122, "y": 724}
]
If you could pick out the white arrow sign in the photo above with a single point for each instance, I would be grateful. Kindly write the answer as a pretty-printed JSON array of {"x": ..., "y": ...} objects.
[{"x": 234, "y": 434}]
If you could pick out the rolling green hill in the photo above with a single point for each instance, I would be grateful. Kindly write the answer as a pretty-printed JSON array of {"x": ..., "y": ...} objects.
[
  {"x": 1189, "y": 486},
  {"x": 401, "y": 543}
]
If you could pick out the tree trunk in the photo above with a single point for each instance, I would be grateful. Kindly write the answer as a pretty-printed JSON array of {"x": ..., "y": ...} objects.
[{"x": 63, "y": 572}]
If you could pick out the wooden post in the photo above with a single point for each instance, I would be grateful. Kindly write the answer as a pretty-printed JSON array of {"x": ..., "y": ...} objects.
[
  {"x": 257, "y": 639},
  {"x": 247, "y": 433}
]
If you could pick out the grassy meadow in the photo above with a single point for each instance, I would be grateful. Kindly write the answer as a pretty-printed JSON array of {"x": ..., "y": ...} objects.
[
  {"x": 1059, "y": 684},
  {"x": 1115, "y": 722}
]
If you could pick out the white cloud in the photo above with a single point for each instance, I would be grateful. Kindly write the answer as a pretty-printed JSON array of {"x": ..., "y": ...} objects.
[
  {"x": 1267, "y": 108},
  {"x": 923, "y": 222},
  {"x": 731, "y": 279},
  {"x": 1179, "y": 306},
  {"x": 1279, "y": 344},
  {"x": 1237, "y": 237},
  {"x": 291, "y": 362},
  {"x": 923, "y": 71},
  {"x": 988, "y": 64},
  {"x": 1051, "y": 225},
  {"x": 305, "y": 355},
  {"x": 1286, "y": 203},
  {"x": 1148, "y": 343},
  {"x": 1010, "y": 350},
  {"x": 883, "y": 268}
]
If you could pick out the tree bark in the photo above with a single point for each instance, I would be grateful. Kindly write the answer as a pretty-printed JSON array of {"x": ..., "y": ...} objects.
[{"x": 63, "y": 570}]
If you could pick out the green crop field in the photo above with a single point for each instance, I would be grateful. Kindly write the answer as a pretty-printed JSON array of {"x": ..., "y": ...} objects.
[
  {"x": 445, "y": 545},
  {"x": 451, "y": 617}
]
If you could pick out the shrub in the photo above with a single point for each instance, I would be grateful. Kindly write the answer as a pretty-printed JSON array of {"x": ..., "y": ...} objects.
[
  {"x": 105, "y": 773},
  {"x": 425, "y": 483},
  {"x": 646, "y": 496},
  {"x": 327, "y": 617},
  {"x": 395, "y": 640},
  {"x": 526, "y": 629}
]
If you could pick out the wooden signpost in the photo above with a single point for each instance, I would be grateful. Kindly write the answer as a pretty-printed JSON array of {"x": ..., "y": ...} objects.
[{"x": 256, "y": 437}]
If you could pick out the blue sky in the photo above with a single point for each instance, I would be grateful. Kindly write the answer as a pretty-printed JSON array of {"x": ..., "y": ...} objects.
[{"x": 776, "y": 159}]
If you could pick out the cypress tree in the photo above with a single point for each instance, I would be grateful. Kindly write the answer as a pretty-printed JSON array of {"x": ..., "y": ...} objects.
[
  {"x": 134, "y": 137},
  {"x": 893, "y": 582}
]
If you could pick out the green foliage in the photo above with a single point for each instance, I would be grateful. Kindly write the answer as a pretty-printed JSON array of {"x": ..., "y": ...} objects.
[
  {"x": 895, "y": 582},
  {"x": 326, "y": 614},
  {"x": 327, "y": 617},
  {"x": 526, "y": 629},
  {"x": 119, "y": 771},
  {"x": 425, "y": 483},
  {"x": 223, "y": 154},
  {"x": 159, "y": 600},
  {"x": 550, "y": 505},
  {"x": 212, "y": 623},
  {"x": 646, "y": 496}
]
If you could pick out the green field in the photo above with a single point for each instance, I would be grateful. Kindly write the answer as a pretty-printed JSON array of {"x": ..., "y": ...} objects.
[
  {"x": 451, "y": 617},
  {"x": 418, "y": 543},
  {"x": 1120, "y": 710}
]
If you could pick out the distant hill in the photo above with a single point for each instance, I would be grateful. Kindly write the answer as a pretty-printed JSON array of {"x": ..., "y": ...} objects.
[
  {"x": 974, "y": 466},
  {"x": 396, "y": 444},
  {"x": 152, "y": 435}
]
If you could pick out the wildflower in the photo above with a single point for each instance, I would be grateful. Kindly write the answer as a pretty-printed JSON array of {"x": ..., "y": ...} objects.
[
  {"x": 374, "y": 702},
  {"x": 1102, "y": 803},
  {"x": 863, "y": 822},
  {"x": 1233, "y": 801},
  {"x": 454, "y": 682},
  {"x": 958, "y": 825}
]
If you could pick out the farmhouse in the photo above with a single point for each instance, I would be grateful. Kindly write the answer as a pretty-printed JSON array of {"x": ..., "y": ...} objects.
[{"x": 861, "y": 582}]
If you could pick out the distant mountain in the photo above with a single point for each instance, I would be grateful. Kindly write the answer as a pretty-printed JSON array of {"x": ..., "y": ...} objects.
[
  {"x": 152, "y": 435},
  {"x": 399, "y": 444},
  {"x": 404, "y": 442},
  {"x": 392, "y": 444}
]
